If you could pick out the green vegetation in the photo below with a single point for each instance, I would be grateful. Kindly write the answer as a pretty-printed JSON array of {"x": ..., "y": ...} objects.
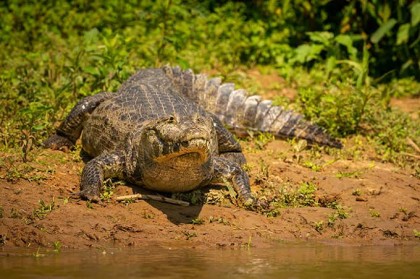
[
  {"x": 197, "y": 221},
  {"x": 57, "y": 246},
  {"x": 319, "y": 226},
  {"x": 273, "y": 197},
  {"x": 70, "y": 49},
  {"x": 374, "y": 213},
  {"x": 148, "y": 215},
  {"x": 219, "y": 220},
  {"x": 345, "y": 59},
  {"x": 108, "y": 189},
  {"x": 89, "y": 204},
  {"x": 38, "y": 254},
  {"x": 357, "y": 192},
  {"x": 44, "y": 209},
  {"x": 340, "y": 213},
  {"x": 188, "y": 235}
]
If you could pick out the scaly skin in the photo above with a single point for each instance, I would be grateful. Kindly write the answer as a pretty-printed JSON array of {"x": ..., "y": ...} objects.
[
  {"x": 164, "y": 130},
  {"x": 151, "y": 135}
]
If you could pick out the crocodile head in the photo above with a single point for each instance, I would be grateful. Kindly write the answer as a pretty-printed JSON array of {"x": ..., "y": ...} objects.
[{"x": 177, "y": 152}]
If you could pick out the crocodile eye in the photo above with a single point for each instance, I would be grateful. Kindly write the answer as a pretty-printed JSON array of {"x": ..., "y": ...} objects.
[{"x": 171, "y": 119}]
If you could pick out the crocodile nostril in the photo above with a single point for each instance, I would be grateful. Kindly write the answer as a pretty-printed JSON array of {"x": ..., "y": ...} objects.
[{"x": 171, "y": 119}]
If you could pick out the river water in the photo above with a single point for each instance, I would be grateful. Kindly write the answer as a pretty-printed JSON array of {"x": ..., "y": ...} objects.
[{"x": 303, "y": 260}]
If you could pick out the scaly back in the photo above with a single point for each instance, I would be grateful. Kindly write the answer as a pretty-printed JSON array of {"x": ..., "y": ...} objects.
[{"x": 239, "y": 111}]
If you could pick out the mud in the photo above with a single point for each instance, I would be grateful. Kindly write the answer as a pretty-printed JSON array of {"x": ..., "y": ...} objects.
[
  {"x": 359, "y": 200},
  {"x": 381, "y": 202}
]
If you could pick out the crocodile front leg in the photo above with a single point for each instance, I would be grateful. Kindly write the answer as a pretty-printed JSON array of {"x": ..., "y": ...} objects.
[
  {"x": 228, "y": 147},
  {"x": 231, "y": 172},
  {"x": 96, "y": 171},
  {"x": 71, "y": 128}
]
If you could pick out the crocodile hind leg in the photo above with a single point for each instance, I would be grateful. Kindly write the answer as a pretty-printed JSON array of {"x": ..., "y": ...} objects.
[
  {"x": 70, "y": 129},
  {"x": 96, "y": 171}
]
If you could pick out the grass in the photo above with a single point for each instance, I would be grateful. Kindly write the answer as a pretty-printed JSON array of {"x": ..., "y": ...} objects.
[
  {"x": 349, "y": 174},
  {"x": 15, "y": 214},
  {"x": 108, "y": 189},
  {"x": 44, "y": 209},
  {"x": 219, "y": 220},
  {"x": 57, "y": 246},
  {"x": 357, "y": 192},
  {"x": 374, "y": 213},
  {"x": 67, "y": 51},
  {"x": 319, "y": 226},
  {"x": 148, "y": 215},
  {"x": 188, "y": 235},
  {"x": 198, "y": 221},
  {"x": 69, "y": 54},
  {"x": 89, "y": 204},
  {"x": 38, "y": 253},
  {"x": 340, "y": 212}
]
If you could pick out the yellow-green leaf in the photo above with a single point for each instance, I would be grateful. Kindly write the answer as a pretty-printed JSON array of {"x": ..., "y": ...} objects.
[
  {"x": 415, "y": 14},
  {"x": 382, "y": 30},
  {"x": 403, "y": 34}
]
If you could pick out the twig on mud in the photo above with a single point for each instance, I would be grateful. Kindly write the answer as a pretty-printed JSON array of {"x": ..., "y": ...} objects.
[
  {"x": 152, "y": 197},
  {"x": 410, "y": 155}
]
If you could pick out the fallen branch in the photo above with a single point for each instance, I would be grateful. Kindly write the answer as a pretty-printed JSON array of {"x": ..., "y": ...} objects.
[
  {"x": 152, "y": 197},
  {"x": 410, "y": 155}
]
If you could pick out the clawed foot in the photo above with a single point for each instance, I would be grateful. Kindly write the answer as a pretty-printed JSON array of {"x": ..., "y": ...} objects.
[
  {"x": 256, "y": 204},
  {"x": 57, "y": 142},
  {"x": 87, "y": 195}
]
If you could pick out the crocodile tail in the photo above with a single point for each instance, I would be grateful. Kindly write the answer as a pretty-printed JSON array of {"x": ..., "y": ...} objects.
[{"x": 241, "y": 112}]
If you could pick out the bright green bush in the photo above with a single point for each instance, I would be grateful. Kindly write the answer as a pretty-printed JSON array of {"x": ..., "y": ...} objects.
[{"x": 52, "y": 53}]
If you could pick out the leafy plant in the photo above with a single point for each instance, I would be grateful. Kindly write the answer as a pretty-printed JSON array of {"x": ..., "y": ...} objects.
[
  {"x": 306, "y": 194},
  {"x": 319, "y": 226},
  {"x": 44, "y": 209},
  {"x": 336, "y": 54},
  {"x": 374, "y": 213},
  {"x": 197, "y": 221},
  {"x": 57, "y": 246}
]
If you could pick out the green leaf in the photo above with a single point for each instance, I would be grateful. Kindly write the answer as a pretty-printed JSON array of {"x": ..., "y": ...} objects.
[
  {"x": 363, "y": 76},
  {"x": 406, "y": 65},
  {"x": 382, "y": 30},
  {"x": 91, "y": 36},
  {"x": 415, "y": 14},
  {"x": 403, "y": 34},
  {"x": 386, "y": 12},
  {"x": 321, "y": 37},
  {"x": 91, "y": 70},
  {"x": 347, "y": 41},
  {"x": 331, "y": 63},
  {"x": 305, "y": 53},
  {"x": 357, "y": 67}
]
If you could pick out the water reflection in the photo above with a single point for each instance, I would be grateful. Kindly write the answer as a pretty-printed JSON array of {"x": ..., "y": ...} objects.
[{"x": 285, "y": 261}]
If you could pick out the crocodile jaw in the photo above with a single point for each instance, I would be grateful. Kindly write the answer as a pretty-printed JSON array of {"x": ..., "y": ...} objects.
[
  {"x": 196, "y": 150},
  {"x": 180, "y": 171}
]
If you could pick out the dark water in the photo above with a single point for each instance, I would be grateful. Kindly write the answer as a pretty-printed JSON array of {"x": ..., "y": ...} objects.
[{"x": 285, "y": 261}]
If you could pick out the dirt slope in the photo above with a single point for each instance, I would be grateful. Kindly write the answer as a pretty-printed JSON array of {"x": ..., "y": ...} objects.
[
  {"x": 358, "y": 200},
  {"x": 377, "y": 203}
]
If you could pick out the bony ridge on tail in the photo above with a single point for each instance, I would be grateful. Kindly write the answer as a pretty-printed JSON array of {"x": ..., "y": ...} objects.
[{"x": 164, "y": 130}]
